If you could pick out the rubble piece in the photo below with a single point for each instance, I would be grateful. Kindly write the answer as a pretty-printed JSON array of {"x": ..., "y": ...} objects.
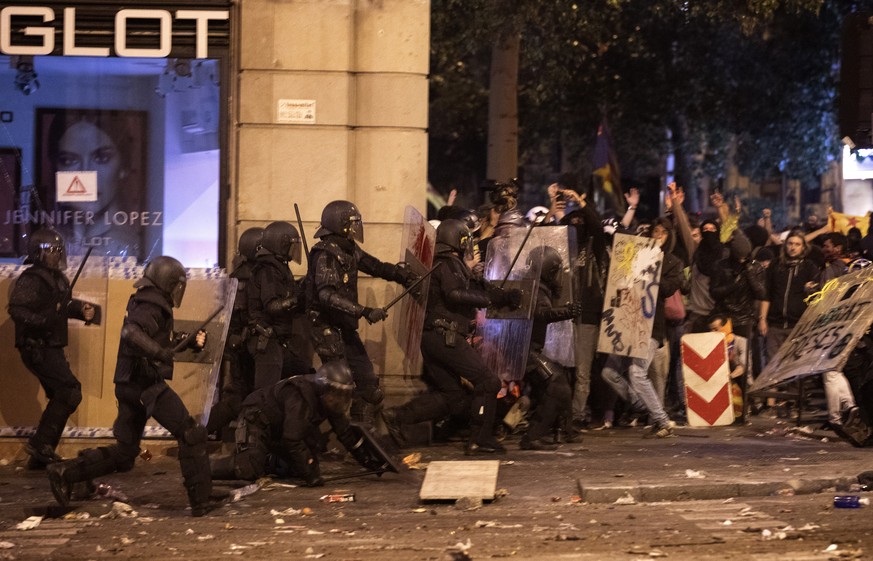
[
  {"x": 287, "y": 512},
  {"x": 120, "y": 510},
  {"x": 447, "y": 480},
  {"x": 413, "y": 461},
  {"x": 468, "y": 503},
  {"x": 339, "y": 498},
  {"x": 6, "y": 545},
  {"x": 627, "y": 499},
  {"x": 495, "y": 524},
  {"x": 693, "y": 474},
  {"x": 29, "y": 523},
  {"x": 250, "y": 489}
]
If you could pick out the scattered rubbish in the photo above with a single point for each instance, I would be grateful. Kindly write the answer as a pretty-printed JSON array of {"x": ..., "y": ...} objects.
[
  {"x": 808, "y": 527},
  {"x": 126, "y": 541},
  {"x": 145, "y": 455},
  {"x": 286, "y": 512},
  {"x": 692, "y": 474},
  {"x": 500, "y": 493},
  {"x": 189, "y": 532},
  {"x": 313, "y": 532},
  {"x": 76, "y": 516},
  {"x": 413, "y": 461},
  {"x": 339, "y": 498},
  {"x": 507, "y": 462},
  {"x": 832, "y": 547},
  {"x": 419, "y": 510},
  {"x": 308, "y": 511},
  {"x": 627, "y": 499},
  {"x": 770, "y": 535},
  {"x": 787, "y": 492},
  {"x": 493, "y": 524},
  {"x": 120, "y": 510},
  {"x": 205, "y": 537},
  {"x": 576, "y": 500},
  {"x": 727, "y": 523},
  {"x": 237, "y": 494},
  {"x": 727, "y": 501},
  {"x": 29, "y": 523},
  {"x": 619, "y": 475},
  {"x": 105, "y": 490},
  {"x": 468, "y": 503},
  {"x": 850, "y": 501},
  {"x": 6, "y": 545},
  {"x": 556, "y": 499}
]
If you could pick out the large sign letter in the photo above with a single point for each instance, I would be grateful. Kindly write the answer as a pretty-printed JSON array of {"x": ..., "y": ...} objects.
[
  {"x": 47, "y": 33},
  {"x": 202, "y": 31},
  {"x": 70, "y": 47},
  {"x": 166, "y": 33}
]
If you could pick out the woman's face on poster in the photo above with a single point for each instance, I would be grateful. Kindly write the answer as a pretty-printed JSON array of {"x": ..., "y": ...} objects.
[{"x": 85, "y": 147}]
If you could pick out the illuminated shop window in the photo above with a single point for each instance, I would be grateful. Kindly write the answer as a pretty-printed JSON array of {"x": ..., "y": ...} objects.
[{"x": 122, "y": 154}]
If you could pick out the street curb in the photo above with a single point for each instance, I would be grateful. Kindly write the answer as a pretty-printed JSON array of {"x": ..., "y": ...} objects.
[{"x": 649, "y": 493}]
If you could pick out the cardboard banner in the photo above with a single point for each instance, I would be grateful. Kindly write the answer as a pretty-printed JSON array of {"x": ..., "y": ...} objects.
[
  {"x": 830, "y": 328},
  {"x": 631, "y": 296},
  {"x": 707, "y": 379}
]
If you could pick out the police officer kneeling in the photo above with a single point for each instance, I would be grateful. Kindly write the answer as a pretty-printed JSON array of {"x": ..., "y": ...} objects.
[{"x": 284, "y": 420}]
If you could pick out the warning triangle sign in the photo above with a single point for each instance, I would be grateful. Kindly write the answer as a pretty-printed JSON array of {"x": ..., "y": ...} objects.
[{"x": 76, "y": 187}]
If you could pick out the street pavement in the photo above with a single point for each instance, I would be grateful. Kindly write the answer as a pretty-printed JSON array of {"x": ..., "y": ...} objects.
[{"x": 761, "y": 491}]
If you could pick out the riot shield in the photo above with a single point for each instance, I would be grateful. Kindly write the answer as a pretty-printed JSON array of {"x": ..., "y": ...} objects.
[
  {"x": 560, "y": 342},
  {"x": 828, "y": 331},
  {"x": 506, "y": 335},
  {"x": 631, "y": 296},
  {"x": 417, "y": 250},
  {"x": 196, "y": 374}
]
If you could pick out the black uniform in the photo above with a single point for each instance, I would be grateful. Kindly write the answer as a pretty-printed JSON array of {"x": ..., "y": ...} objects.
[
  {"x": 40, "y": 305},
  {"x": 284, "y": 420},
  {"x": 144, "y": 363},
  {"x": 241, "y": 364},
  {"x": 549, "y": 381},
  {"x": 334, "y": 309},
  {"x": 272, "y": 296},
  {"x": 455, "y": 294}
]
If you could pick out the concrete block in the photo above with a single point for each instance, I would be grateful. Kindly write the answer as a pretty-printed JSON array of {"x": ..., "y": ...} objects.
[
  {"x": 281, "y": 166},
  {"x": 398, "y": 27},
  {"x": 299, "y": 35},
  {"x": 260, "y": 92},
  {"x": 390, "y": 172},
  {"x": 391, "y": 100}
]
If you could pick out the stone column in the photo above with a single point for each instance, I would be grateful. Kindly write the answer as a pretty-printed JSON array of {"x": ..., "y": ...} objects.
[{"x": 364, "y": 63}]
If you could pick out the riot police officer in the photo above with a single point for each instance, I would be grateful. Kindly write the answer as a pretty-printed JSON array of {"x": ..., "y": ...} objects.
[
  {"x": 333, "y": 299},
  {"x": 273, "y": 306},
  {"x": 453, "y": 298},
  {"x": 40, "y": 303},
  {"x": 549, "y": 381},
  {"x": 145, "y": 362},
  {"x": 284, "y": 420},
  {"x": 240, "y": 363}
]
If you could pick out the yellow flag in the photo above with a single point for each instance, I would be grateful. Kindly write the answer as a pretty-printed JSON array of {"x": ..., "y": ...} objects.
[{"x": 843, "y": 222}]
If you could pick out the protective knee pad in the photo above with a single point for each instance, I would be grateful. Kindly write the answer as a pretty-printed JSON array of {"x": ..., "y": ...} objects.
[
  {"x": 194, "y": 433},
  {"x": 328, "y": 343}
]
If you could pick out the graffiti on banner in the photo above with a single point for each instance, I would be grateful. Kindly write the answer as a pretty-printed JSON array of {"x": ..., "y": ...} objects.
[
  {"x": 631, "y": 296},
  {"x": 830, "y": 328}
]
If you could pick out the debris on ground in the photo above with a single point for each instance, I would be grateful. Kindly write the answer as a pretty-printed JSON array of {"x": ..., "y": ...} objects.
[
  {"x": 627, "y": 499},
  {"x": 120, "y": 510},
  {"x": 107, "y": 491},
  {"x": 468, "y": 503},
  {"x": 495, "y": 524},
  {"x": 29, "y": 523},
  {"x": 413, "y": 461},
  {"x": 693, "y": 474}
]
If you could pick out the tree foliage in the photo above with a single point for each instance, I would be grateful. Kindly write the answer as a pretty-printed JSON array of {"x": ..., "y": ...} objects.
[{"x": 710, "y": 80}]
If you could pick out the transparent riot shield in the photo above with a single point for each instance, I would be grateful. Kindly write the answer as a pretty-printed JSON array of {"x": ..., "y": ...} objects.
[
  {"x": 196, "y": 374},
  {"x": 560, "y": 342},
  {"x": 631, "y": 296},
  {"x": 506, "y": 334},
  {"x": 417, "y": 250},
  {"x": 830, "y": 328}
]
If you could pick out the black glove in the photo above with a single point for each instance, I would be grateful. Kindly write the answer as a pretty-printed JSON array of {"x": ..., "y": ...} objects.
[
  {"x": 404, "y": 275},
  {"x": 374, "y": 315},
  {"x": 509, "y": 298}
]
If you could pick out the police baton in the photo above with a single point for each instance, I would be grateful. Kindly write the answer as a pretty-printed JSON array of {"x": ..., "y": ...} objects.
[
  {"x": 302, "y": 235},
  {"x": 411, "y": 287},
  {"x": 187, "y": 340},
  {"x": 518, "y": 253},
  {"x": 79, "y": 270}
]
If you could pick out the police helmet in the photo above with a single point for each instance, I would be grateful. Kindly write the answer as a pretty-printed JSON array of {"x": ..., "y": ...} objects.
[
  {"x": 550, "y": 263},
  {"x": 167, "y": 275},
  {"x": 282, "y": 240},
  {"x": 343, "y": 219},
  {"x": 337, "y": 384},
  {"x": 46, "y": 247},
  {"x": 250, "y": 241},
  {"x": 454, "y": 236}
]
